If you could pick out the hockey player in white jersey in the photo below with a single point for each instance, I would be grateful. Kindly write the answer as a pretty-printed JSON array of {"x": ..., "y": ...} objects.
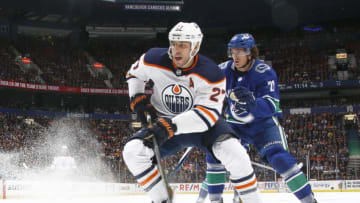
[
  {"x": 64, "y": 163},
  {"x": 188, "y": 96}
]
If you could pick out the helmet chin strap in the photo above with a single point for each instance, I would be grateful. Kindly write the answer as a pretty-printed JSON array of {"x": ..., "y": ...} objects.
[
  {"x": 190, "y": 59},
  {"x": 188, "y": 62}
]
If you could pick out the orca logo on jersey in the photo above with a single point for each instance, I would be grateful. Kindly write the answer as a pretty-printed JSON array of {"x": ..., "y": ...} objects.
[
  {"x": 262, "y": 67},
  {"x": 177, "y": 98}
]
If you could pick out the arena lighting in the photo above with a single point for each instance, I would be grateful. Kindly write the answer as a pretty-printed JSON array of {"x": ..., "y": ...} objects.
[
  {"x": 341, "y": 56},
  {"x": 29, "y": 121},
  {"x": 25, "y": 60},
  {"x": 350, "y": 121},
  {"x": 98, "y": 65},
  {"x": 313, "y": 29},
  {"x": 350, "y": 117}
]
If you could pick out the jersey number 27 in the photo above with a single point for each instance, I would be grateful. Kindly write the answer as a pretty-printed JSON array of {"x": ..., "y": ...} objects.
[{"x": 217, "y": 91}]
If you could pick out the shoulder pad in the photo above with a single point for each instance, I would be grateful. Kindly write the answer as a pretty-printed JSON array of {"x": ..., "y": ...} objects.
[
  {"x": 156, "y": 55},
  {"x": 208, "y": 69},
  {"x": 262, "y": 67},
  {"x": 223, "y": 65}
]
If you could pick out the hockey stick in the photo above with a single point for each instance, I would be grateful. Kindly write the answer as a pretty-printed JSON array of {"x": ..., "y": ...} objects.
[
  {"x": 158, "y": 158},
  {"x": 270, "y": 168},
  {"x": 262, "y": 166},
  {"x": 25, "y": 166},
  {"x": 181, "y": 161}
]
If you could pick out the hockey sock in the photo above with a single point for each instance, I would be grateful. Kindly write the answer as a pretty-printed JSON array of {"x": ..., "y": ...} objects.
[
  {"x": 298, "y": 184},
  {"x": 138, "y": 159},
  {"x": 285, "y": 164},
  {"x": 215, "y": 182},
  {"x": 151, "y": 181},
  {"x": 246, "y": 188},
  {"x": 203, "y": 192},
  {"x": 235, "y": 159}
]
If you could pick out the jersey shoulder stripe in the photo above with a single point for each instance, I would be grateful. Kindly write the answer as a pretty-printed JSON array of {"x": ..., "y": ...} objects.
[
  {"x": 202, "y": 118},
  {"x": 207, "y": 112},
  {"x": 212, "y": 109},
  {"x": 207, "y": 70},
  {"x": 206, "y": 80}
]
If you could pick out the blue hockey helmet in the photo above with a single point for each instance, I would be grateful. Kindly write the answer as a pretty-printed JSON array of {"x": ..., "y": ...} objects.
[{"x": 244, "y": 40}]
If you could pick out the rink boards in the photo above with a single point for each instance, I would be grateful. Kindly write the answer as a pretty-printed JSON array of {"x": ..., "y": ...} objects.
[{"x": 43, "y": 189}]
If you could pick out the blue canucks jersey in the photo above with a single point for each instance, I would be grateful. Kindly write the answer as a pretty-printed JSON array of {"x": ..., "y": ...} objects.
[{"x": 260, "y": 79}]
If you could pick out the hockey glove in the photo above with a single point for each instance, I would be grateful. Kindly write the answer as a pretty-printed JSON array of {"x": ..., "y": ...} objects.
[
  {"x": 140, "y": 104},
  {"x": 245, "y": 99},
  {"x": 162, "y": 129}
]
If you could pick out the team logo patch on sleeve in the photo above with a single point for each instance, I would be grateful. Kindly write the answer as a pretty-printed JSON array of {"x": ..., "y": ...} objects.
[
  {"x": 177, "y": 98},
  {"x": 261, "y": 68}
]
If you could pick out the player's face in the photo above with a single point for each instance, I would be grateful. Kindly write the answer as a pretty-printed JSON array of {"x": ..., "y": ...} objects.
[
  {"x": 180, "y": 52},
  {"x": 240, "y": 57}
]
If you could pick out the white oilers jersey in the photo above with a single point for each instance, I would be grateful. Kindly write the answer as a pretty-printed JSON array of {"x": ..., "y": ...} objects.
[{"x": 193, "y": 97}]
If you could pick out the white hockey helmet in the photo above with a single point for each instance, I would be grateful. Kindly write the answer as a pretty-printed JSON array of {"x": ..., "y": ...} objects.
[
  {"x": 186, "y": 32},
  {"x": 64, "y": 150}
]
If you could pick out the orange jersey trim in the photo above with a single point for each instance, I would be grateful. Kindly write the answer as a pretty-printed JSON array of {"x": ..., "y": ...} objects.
[
  {"x": 137, "y": 100},
  {"x": 191, "y": 67},
  {"x": 246, "y": 185},
  {"x": 186, "y": 69},
  {"x": 156, "y": 66},
  {"x": 167, "y": 126},
  {"x": 207, "y": 112},
  {"x": 206, "y": 80},
  {"x": 149, "y": 178}
]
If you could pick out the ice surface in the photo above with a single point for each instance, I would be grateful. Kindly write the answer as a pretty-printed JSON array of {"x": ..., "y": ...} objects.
[{"x": 322, "y": 197}]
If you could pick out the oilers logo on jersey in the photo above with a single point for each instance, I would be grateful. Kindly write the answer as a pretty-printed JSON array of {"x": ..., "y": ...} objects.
[
  {"x": 196, "y": 96},
  {"x": 177, "y": 98}
]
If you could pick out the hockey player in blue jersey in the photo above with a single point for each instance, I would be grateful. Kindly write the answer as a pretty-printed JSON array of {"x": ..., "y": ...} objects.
[
  {"x": 188, "y": 94},
  {"x": 253, "y": 112}
]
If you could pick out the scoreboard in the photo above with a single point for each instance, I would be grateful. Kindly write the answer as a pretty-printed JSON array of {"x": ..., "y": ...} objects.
[{"x": 151, "y": 5}]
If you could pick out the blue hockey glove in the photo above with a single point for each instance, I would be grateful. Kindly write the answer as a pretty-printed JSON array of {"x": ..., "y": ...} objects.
[{"x": 245, "y": 99}]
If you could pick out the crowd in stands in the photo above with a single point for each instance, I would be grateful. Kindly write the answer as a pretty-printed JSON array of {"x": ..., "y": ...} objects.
[
  {"x": 320, "y": 137},
  {"x": 9, "y": 70},
  {"x": 297, "y": 57},
  {"x": 118, "y": 56},
  {"x": 99, "y": 142},
  {"x": 308, "y": 103},
  {"x": 61, "y": 63}
]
